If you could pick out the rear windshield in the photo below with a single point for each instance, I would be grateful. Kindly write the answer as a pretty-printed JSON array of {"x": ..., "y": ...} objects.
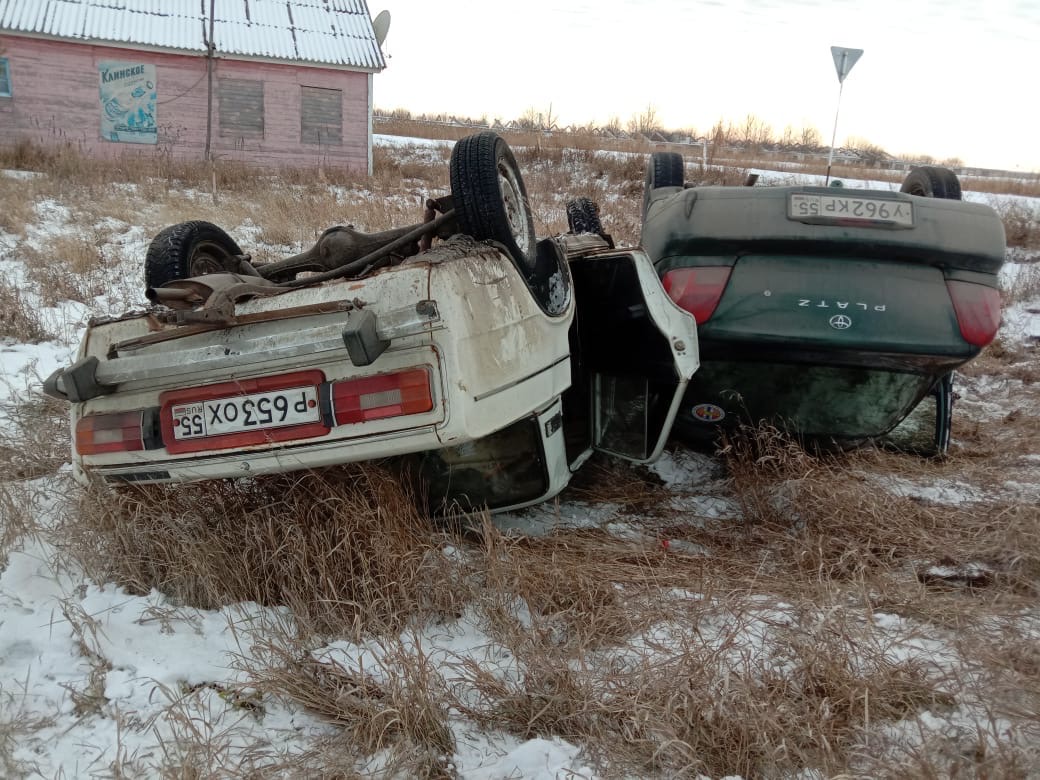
[{"x": 841, "y": 402}]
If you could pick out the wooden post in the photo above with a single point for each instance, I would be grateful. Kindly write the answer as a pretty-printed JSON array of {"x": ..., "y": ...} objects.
[{"x": 210, "y": 46}]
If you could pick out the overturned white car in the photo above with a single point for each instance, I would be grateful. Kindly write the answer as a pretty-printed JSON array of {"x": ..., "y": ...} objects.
[{"x": 489, "y": 363}]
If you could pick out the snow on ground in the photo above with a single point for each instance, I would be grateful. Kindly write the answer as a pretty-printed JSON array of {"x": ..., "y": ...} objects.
[
  {"x": 60, "y": 633},
  {"x": 22, "y": 366},
  {"x": 401, "y": 141},
  {"x": 95, "y": 681},
  {"x": 108, "y": 680},
  {"x": 936, "y": 491},
  {"x": 1021, "y": 322}
]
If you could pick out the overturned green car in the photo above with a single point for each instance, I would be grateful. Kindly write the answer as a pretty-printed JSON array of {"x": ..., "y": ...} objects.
[{"x": 833, "y": 313}]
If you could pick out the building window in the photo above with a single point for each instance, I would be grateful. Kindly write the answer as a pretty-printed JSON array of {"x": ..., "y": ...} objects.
[
  {"x": 5, "y": 78},
  {"x": 240, "y": 108},
  {"x": 321, "y": 116}
]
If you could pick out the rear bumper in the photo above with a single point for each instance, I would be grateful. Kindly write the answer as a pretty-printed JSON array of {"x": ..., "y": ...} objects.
[
  {"x": 456, "y": 416},
  {"x": 157, "y": 467},
  {"x": 731, "y": 221}
]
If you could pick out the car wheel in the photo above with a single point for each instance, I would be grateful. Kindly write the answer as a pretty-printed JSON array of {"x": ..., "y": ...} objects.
[
  {"x": 952, "y": 183},
  {"x": 189, "y": 249},
  {"x": 583, "y": 216},
  {"x": 490, "y": 198},
  {"x": 663, "y": 169},
  {"x": 931, "y": 181}
]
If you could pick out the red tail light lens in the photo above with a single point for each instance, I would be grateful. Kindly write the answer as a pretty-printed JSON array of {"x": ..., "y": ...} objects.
[
  {"x": 119, "y": 432},
  {"x": 978, "y": 310},
  {"x": 697, "y": 290},
  {"x": 384, "y": 395}
]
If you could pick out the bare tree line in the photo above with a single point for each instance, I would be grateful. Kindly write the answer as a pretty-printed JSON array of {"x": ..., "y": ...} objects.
[{"x": 752, "y": 133}]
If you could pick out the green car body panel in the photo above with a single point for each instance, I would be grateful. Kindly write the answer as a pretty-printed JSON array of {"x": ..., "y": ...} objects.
[{"x": 831, "y": 326}]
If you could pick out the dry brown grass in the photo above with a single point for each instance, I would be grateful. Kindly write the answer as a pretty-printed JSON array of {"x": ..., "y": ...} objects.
[
  {"x": 695, "y": 707},
  {"x": 607, "y": 480},
  {"x": 17, "y": 197},
  {"x": 1027, "y": 185},
  {"x": 16, "y": 518},
  {"x": 828, "y": 519},
  {"x": 68, "y": 267},
  {"x": 1021, "y": 223},
  {"x": 293, "y": 206},
  {"x": 19, "y": 319},
  {"x": 17, "y": 721},
  {"x": 760, "y": 656},
  {"x": 399, "y": 706},
  {"x": 342, "y": 547},
  {"x": 67, "y": 163},
  {"x": 34, "y": 440},
  {"x": 1025, "y": 287},
  {"x": 699, "y": 692},
  {"x": 1008, "y": 358}
]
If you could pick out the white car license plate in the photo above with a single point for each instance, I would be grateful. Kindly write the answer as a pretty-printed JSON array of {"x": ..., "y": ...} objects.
[
  {"x": 240, "y": 413},
  {"x": 827, "y": 209}
]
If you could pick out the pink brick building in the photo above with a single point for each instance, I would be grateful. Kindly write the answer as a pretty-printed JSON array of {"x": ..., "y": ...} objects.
[{"x": 285, "y": 82}]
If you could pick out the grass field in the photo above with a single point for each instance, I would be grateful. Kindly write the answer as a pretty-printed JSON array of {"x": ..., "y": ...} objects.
[{"x": 754, "y": 611}]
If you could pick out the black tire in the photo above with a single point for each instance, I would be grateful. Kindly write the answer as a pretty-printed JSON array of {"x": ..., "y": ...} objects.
[
  {"x": 932, "y": 181},
  {"x": 943, "y": 392},
  {"x": 663, "y": 169},
  {"x": 953, "y": 184},
  {"x": 583, "y": 216},
  {"x": 490, "y": 198},
  {"x": 189, "y": 249}
]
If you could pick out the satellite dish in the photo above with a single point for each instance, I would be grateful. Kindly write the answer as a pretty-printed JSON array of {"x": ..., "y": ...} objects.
[{"x": 381, "y": 26}]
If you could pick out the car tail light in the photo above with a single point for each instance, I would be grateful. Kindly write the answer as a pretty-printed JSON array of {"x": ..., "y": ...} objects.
[
  {"x": 697, "y": 290},
  {"x": 116, "y": 432},
  {"x": 383, "y": 395},
  {"x": 978, "y": 310}
]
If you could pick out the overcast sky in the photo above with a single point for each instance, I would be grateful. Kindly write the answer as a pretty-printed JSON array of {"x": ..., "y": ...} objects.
[{"x": 948, "y": 78}]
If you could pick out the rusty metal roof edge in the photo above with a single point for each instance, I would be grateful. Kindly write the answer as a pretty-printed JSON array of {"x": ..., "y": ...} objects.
[
  {"x": 220, "y": 55},
  {"x": 81, "y": 21}
]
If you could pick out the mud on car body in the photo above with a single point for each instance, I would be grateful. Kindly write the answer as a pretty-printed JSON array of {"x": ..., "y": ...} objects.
[{"x": 461, "y": 349}]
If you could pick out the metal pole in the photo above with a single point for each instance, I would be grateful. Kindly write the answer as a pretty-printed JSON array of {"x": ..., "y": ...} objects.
[{"x": 834, "y": 134}]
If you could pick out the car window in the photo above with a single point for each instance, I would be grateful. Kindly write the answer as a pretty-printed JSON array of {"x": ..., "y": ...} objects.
[
  {"x": 847, "y": 402},
  {"x": 631, "y": 414},
  {"x": 503, "y": 469}
]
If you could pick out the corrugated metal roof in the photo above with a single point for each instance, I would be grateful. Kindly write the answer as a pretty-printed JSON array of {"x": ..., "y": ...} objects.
[{"x": 320, "y": 32}]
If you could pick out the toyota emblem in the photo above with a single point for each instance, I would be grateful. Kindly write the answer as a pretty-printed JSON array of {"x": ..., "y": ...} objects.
[{"x": 841, "y": 322}]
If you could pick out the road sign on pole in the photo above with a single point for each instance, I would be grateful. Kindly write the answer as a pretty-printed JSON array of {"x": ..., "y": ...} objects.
[{"x": 844, "y": 59}]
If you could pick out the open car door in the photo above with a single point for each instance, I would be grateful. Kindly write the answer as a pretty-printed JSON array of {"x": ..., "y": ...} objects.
[{"x": 634, "y": 352}]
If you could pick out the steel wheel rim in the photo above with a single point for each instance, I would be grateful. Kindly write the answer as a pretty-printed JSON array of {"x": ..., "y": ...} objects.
[
  {"x": 208, "y": 258},
  {"x": 515, "y": 207}
]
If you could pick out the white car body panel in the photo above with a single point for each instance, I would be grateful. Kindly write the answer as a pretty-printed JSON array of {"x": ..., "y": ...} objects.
[
  {"x": 496, "y": 354},
  {"x": 505, "y": 356}
]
